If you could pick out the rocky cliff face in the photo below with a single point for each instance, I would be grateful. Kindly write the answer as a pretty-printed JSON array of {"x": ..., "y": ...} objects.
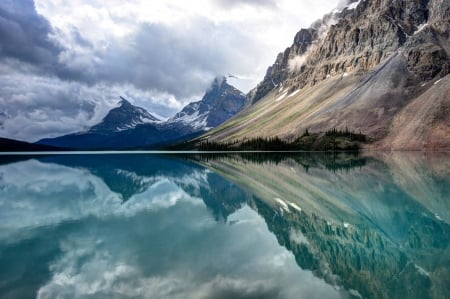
[
  {"x": 368, "y": 66},
  {"x": 361, "y": 36}
]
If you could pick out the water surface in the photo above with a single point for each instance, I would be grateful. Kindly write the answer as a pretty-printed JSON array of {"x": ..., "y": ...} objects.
[{"x": 224, "y": 226}]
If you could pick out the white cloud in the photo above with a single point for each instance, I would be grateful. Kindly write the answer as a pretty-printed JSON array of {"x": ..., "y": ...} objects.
[{"x": 257, "y": 29}]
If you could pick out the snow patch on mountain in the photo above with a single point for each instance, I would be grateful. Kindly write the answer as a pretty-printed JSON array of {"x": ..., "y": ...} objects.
[
  {"x": 420, "y": 28},
  {"x": 196, "y": 120},
  {"x": 281, "y": 97},
  {"x": 353, "y": 5},
  {"x": 294, "y": 93}
]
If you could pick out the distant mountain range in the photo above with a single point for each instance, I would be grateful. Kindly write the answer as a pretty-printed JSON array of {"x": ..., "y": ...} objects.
[{"x": 128, "y": 126}]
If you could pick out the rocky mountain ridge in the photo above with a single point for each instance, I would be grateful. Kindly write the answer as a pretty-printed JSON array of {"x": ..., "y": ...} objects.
[
  {"x": 360, "y": 67},
  {"x": 359, "y": 39}
]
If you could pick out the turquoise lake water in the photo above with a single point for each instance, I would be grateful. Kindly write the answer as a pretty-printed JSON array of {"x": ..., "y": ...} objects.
[{"x": 225, "y": 226}]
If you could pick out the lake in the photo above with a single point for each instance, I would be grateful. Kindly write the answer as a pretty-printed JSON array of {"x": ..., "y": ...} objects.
[{"x": 250, "y": 225}]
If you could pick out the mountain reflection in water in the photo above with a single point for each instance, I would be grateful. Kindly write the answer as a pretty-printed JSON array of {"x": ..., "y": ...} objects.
[{"x": 225, "y": 226}]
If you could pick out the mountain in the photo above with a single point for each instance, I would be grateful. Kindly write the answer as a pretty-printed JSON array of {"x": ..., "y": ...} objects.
[
  {"x": 376, "y": 66},
  {"x": 112, "y": 131},
  {"x": 128, "y": 126},
  {"x": 220, "y": 102},
  {"x": 124, "y": 117}
]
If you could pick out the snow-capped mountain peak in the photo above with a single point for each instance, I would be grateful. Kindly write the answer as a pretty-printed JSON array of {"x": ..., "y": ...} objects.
[
  {"x": 220, "y": 102},
  {"x": 124, "y": 117}
]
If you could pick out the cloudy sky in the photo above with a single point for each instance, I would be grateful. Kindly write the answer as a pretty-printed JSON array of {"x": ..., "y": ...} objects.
[{"x": 64, "y": 64}]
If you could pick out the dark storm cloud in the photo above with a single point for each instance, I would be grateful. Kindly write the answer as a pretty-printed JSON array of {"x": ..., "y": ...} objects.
[
  {"x": 179, "y": 60},
  {"x": 24, "y": 34},
  {"x": 26, "y": 41}
]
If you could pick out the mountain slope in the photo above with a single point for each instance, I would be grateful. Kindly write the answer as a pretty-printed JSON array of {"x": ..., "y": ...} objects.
[
  {"x": 357, "y": 68},
  {"x": 128, "y": 126}
]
